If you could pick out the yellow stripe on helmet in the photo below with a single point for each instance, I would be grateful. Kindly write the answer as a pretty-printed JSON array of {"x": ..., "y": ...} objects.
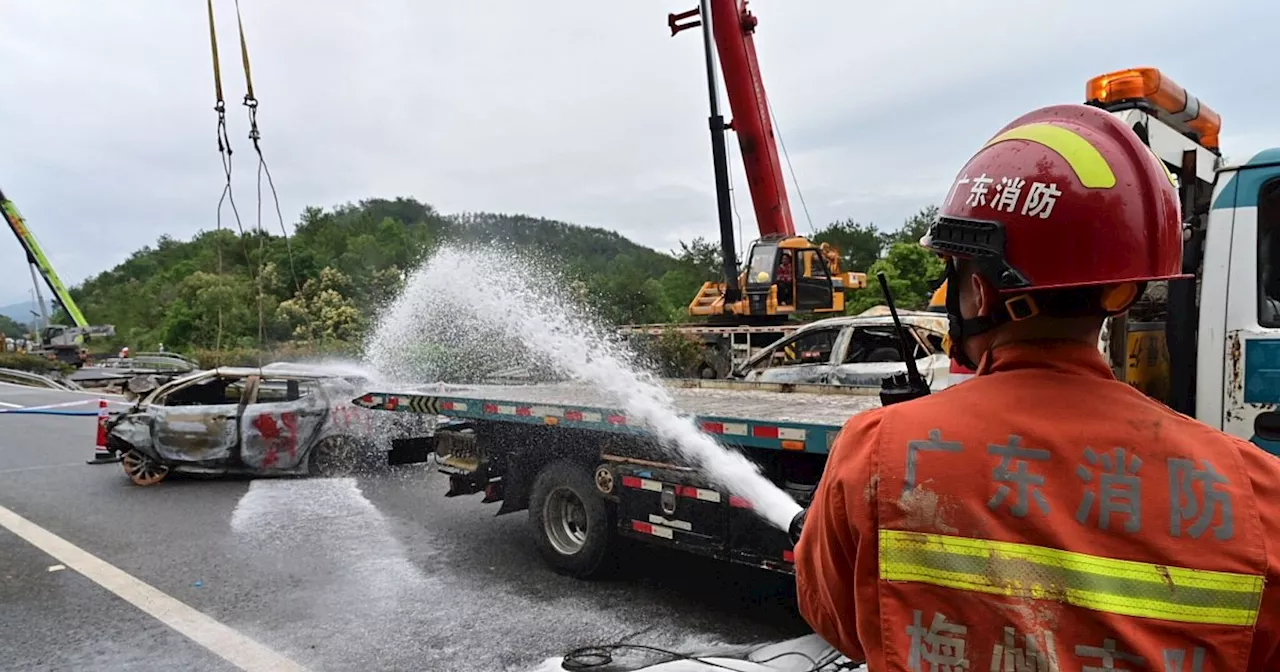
[{"x": 1085, "y": 160}]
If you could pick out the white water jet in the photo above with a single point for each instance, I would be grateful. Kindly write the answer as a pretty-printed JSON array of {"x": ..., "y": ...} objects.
[{"x": 482, "y": 306}]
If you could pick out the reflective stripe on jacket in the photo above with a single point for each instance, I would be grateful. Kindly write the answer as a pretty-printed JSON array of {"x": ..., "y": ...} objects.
[{"x": 1042, "y": 517}]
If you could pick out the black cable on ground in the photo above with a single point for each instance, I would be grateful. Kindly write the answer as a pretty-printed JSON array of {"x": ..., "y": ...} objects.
[{"x": 591, "y": 657}]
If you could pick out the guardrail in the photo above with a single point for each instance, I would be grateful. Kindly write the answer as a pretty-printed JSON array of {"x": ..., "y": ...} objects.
[{"x": 19, "y": 377}]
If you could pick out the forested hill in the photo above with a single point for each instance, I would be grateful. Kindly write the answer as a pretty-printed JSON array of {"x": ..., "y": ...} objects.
[{"x": 325, "y": 283}]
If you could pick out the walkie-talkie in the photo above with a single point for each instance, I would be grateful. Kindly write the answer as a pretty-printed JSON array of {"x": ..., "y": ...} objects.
[
  {"x": 900, "y": 387},
  {"x": 893, "y": 390}
]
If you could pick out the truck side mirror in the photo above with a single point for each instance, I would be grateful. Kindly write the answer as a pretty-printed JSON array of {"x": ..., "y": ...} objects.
[{"x": 1267, "y": 426}]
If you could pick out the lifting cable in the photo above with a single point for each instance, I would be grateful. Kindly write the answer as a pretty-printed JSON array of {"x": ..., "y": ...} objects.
[
  {"x": 225, "y": 151},
  {"x": 251, "y": 102},
  {"x": 794, "y": 179}
]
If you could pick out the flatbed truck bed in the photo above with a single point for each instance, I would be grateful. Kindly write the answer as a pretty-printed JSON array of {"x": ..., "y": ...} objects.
[
  {"x": 812, "y": 409},
  {"x": 587, "y": 471}
]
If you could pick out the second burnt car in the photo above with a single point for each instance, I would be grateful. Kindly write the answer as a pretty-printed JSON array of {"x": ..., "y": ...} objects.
[
  {"x": 274, "y": 420},
  {"x": 856, "y": 350}
]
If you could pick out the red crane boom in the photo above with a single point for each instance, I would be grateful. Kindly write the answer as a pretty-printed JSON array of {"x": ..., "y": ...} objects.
[
  {"x": 784, "y": 273},
  {"x": 733, "y": 27}
]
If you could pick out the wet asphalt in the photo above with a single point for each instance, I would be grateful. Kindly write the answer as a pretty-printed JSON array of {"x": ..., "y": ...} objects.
[{"x": 377, "y": 572}]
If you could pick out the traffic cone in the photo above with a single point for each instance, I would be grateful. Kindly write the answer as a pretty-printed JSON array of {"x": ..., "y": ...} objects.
[{"x": 100, "y": 453}]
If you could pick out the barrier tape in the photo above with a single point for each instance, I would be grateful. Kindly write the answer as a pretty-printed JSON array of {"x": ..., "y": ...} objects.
[
  {"x": 88, "y": 414},
  {"x": 49, "y": 409},
  {"x": 64, "y": 404}
]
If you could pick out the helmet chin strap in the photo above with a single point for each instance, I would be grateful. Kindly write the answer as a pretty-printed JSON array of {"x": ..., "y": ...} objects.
[{"x": 959, "y": 327}]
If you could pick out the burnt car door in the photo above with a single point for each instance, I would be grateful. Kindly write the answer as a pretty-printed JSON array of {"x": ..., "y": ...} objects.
[
  {"x": 196, "y": 421},
  {"x": 873, "y": 354},
  {"x": 806, "y": 357},
  {"x": 282, "y": 421}
]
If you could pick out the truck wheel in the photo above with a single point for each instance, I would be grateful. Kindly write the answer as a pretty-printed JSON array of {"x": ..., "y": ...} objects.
[{"x": 571, "y": 523}]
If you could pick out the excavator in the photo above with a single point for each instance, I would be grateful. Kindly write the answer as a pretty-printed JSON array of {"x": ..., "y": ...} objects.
[
  {"x": 56, "y": 342},
  {"x": 786, "y": 274}
]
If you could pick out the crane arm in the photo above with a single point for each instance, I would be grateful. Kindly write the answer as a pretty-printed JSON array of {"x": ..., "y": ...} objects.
[
  {"x": 733, "y": 27},
  {"x": 35, "y": 256}
]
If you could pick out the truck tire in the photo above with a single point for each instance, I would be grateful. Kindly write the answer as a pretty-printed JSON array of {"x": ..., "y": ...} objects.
[{"x": 572, "y": 524}]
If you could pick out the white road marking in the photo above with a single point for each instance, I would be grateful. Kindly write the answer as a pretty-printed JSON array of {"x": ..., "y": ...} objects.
[
  {"x": 233, "y": 647},
  {"x": 5, "y": 403},
  {"x": 39, "y": 467},
  {"x": 57, "y": 568}
]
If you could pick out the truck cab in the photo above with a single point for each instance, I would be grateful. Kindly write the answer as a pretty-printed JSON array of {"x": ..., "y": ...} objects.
[
  {"x": 1209, "y": 345},
  {"x": 1238, "y": 377}
]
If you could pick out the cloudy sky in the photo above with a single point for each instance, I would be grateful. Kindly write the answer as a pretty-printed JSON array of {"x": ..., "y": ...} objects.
[{"x": 588, "y": 112}]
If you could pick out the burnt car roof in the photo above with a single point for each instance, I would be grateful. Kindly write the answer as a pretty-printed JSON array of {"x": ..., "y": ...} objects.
[
  {"x": 879, "y": 315},
  {"x": 246, "y": 371}
]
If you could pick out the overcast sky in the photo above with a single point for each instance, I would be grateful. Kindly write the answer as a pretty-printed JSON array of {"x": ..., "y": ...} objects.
[{"x": 587, "y": 112}]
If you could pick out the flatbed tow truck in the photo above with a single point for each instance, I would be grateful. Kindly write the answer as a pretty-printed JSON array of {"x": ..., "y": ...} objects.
[
  {"x": 584, "y": 469},
  {"x": 1208, "y": 346}
]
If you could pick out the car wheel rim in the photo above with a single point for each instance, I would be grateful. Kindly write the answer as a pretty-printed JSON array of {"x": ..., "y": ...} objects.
[
  {"x": 143, "y": 470},
  {"x": 565, "y": 521},
  {"x": 335, "y": 458}
]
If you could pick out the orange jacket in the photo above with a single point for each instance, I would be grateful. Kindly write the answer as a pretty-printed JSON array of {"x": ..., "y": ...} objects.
[{"x": 1044, "y": 516}]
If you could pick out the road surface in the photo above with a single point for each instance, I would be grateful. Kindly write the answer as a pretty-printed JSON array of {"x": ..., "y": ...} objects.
[{"x": 379, "y": 572}]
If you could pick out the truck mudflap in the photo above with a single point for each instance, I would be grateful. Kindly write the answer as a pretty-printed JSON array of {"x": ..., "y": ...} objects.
[{"x": 674, "y": 508}]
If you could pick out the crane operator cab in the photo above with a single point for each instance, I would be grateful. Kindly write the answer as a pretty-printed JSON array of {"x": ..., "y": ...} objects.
[
  {"x": 783, "y": 276},
  {"x": 789, "y": 275}
]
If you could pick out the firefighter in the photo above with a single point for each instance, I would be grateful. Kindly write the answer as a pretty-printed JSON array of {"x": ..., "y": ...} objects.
[{"x": 1045, "y": 516}]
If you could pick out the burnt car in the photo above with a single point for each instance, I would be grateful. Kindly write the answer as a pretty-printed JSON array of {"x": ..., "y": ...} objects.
[
  {"x": 259, "y": 421},
  {"x": 859, "y": 350}
]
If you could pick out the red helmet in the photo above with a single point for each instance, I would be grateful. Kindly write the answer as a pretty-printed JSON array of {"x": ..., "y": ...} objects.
[{"x": 1065, "y": 196}]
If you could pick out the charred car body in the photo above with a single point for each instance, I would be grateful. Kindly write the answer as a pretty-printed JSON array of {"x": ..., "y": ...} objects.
[
  {"x": 857, "y": 351},
  {"x": 257, "y": 421}
]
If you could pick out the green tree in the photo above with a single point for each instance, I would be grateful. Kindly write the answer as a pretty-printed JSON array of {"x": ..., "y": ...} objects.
[
  {"x": 914, "y": 228},
  {"x": 323, "y": 310},
  {"x": 860, "y": 245},
  {"x": 209, "y": 310},
  {"x": 10, "y": 328},
  {"x": 909, "y": 270},
  {"x": 703, "y": 258}
]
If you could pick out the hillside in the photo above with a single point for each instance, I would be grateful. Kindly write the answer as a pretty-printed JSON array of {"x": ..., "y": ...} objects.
[
  {"x": 326, "y": 282},
  {"x": 19, "y": 312}
]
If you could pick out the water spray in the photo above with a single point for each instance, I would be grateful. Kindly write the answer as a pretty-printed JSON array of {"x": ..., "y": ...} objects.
[{"x": 451, "y": 315}]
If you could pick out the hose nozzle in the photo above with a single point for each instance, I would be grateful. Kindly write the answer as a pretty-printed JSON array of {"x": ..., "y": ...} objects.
[{"x": 797, "y": 526}]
